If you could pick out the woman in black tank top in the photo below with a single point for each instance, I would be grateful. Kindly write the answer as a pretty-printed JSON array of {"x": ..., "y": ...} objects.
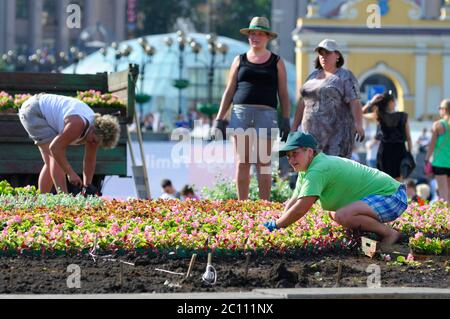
[{"x": 256, "y": 85}]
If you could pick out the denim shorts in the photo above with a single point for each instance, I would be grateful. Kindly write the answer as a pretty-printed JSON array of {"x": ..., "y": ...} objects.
[
  {"x": 262, "y": 119},
  {"x": 34, "y": 122},
  {"x": 388, "y": 208}
]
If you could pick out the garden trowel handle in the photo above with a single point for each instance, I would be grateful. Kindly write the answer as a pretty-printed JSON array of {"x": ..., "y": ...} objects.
[{"x": 209, "y": 259}]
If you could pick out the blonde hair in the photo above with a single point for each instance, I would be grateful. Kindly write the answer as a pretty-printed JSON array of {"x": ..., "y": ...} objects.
[
  {"x": 446, "y": 103},
  {"x": 423, "y": 191},
  {"x": 107, "y": 129}
]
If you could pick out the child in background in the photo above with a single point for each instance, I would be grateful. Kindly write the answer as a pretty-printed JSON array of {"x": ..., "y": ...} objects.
[{"x": 187, "y": 192}]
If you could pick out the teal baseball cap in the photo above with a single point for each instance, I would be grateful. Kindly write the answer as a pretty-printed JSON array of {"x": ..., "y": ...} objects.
[{"x": 296, "y": 140}]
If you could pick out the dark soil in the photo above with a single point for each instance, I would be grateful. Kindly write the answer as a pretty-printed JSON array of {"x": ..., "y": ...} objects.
[{"x": 49, "y": 275}]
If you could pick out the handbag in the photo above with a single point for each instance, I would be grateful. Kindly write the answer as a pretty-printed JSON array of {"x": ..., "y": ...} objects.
[
  {"x": 428, "y": 168},
  {"x": 407, "y": 165}
]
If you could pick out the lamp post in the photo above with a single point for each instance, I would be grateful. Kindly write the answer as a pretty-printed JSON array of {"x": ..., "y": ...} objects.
[
  {"x": 196, "y": 48},
  {"x": 119, "y": 54},
  {"x": 142, "y": 98},
  {"x": 77, "y": 56},
  {"x": 180, "y": 83},
  {"x": 214, "y": 47}
]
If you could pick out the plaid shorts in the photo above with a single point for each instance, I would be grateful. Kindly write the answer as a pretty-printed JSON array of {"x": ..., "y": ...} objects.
[{"x": 388, "y": 208}]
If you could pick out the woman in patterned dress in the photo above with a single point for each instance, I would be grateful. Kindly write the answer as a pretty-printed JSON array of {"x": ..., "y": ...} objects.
[{"x": 329, "y": 107}]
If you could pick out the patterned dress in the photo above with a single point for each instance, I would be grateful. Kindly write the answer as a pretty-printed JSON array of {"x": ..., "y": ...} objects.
[{"x": 327, "y": 114}]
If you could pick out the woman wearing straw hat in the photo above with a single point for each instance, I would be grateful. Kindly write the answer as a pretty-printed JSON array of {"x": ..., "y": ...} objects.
[
  {"x": 329, "y": 107},
  {"x": 256, "y": 82}
]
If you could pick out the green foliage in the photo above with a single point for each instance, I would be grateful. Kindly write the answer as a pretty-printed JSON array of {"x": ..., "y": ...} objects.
[
  {"x": 29, "y": 197},
  {"x": 7, "y": 189},
  {"x": 29, "y": 200},
  {"x": 235, "y": 15},
  {"x": 225, "y": 189},
  {"x": 226, "y": 18}
]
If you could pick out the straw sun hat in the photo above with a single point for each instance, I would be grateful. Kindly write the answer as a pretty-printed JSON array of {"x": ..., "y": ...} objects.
[{"x": 259, "y": 23}]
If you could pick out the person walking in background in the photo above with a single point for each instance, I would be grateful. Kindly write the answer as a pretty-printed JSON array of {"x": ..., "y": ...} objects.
[
  {"x": 169, "y": 191},
  {"x": 255, "y": 81},
  {"x": 423, "y": 140},
  {"x": 329, "y": 107},
  {"x": 187, "y": 192},
  {"x": 394, "y": 129},
  {"x": 54, "y": 122},
  {"x": 439, "y": 150}
]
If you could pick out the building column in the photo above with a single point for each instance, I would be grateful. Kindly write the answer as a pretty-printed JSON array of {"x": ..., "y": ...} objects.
[
  {"x": 35, "y": 25},
  {"x": 446, "y": 69},
  {"x": 7, "y": 25},
  {"x": 2, "y": 26},
  {"x": 62, "y": 31},
  {"x": 421, "y": 75},
  {"x": 120, "y": 17},
  {"x": 91, "y": 15}
]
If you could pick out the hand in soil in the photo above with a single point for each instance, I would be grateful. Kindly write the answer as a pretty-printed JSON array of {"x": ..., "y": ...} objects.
[{"x": 392, "y": 238}]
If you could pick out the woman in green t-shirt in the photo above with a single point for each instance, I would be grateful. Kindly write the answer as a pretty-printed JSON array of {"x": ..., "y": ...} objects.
[
  {"x": 439, "y": 147},
  {"x": 359, "y": 197}
]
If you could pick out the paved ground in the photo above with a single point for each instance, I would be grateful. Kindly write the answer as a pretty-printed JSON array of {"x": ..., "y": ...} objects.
[{"x": 294, "y": 293}]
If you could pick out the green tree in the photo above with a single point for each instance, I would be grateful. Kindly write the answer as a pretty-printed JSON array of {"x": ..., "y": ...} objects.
[
  {"x": 225, "y": 17},
  {"x": 160, "y": 15},
  {"x": 231, "y": 16}
]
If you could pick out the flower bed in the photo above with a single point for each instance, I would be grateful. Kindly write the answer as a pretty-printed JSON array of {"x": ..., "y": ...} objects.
[
  {"x": 95, "y": 99},
  {"x": 79, "y": 224}
]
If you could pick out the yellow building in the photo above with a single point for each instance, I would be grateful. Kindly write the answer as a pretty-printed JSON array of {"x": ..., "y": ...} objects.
[{"x": 385, "y": 43}]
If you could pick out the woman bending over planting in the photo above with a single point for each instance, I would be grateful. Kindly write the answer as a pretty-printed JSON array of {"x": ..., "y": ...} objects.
[
  {"x": 359, "y": 197},
  {"x": 54, "y": 122}
]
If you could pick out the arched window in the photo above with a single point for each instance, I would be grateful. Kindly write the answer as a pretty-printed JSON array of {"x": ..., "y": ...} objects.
[{"x": 377, "y": 83}]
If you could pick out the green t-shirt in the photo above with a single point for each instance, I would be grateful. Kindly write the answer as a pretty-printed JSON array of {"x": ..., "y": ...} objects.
[
  {"x": 441, "y": 152},
  {"x": 339, "y": 181}
]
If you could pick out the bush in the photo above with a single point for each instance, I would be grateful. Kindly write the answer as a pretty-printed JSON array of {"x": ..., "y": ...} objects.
[
  {"x": 7, "y": 190},
  {"x": 225, "y": 189}
]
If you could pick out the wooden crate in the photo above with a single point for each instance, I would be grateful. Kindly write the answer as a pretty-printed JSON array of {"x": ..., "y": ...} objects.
[{"x": 19, "y": 155}]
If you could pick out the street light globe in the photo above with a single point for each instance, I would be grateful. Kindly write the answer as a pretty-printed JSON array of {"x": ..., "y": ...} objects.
[
  {"x": 51, "y": 59},
  {"x": 125, "y": 52},
  {"x": 149, "y": 50},
  {"x": 222, "y": 48},
  {"x": 196, "y": 47},
  {"x": 211, "y": 38},
  {"x": 104, "y": 51},
  {"x": 168, "y": 41},
  {"x": 22, "y": 59},
  {"x": 143, "y": 42}
]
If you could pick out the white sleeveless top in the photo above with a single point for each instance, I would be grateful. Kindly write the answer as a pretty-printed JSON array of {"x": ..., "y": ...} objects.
[{"x": 55, "y": 108}]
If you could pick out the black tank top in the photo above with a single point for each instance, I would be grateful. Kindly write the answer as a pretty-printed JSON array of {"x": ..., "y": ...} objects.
[
  {"x": 393, "y": 127},
  {"x": 257, "y": 83}
]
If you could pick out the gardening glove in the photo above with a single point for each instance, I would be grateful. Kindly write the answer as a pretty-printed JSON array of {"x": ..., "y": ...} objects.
[
  {"x": 271, "y": 225},
  {"x": 90, "y": 190},
  {"x": 285, "y": 128},
  {"x": 220, "y": 125},
  {"x": 74, "y": 179}
]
